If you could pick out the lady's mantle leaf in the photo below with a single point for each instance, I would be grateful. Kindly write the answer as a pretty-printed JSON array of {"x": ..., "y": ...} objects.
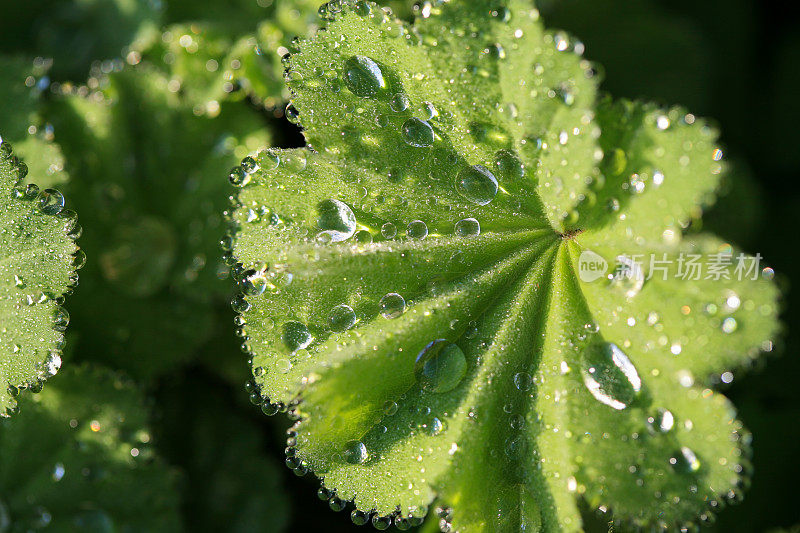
[
  {"x": 414, "y": 285},
  {"x": 38, "y": 262},
  {"x": 153, "y": 217},
  {"x": 78, "y": 458}
]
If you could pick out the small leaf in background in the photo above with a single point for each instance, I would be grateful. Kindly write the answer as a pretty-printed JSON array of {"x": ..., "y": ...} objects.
[
  {"x": 79, "y": 458},
  {"x": 153, "y": 199},
  {"x": 75, "y": 34},
  {"x": 38, "y": 267},
  {"x": 21, "y": 88},
  {"x": 411, "y": 289}
]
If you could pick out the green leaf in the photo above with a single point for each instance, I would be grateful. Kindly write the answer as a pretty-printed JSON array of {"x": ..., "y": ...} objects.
[
  {"x": 77, "y": 33},
  {"x": 38, "y": 262},
  {"x": 20, "y": 94},
  {"x": 417, "y": 289},
  {"x": 212, "y": 62},
  {"x": 79, "y": 458},
  {"x": 153, "y": 200}
]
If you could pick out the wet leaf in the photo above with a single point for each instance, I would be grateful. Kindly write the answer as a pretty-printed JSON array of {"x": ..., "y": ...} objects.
[
  {"x": 452, "y": 288},
  {"x": 38, "y": 264},
  {"x": 79, "y": 458},
  {"x": 153, "y": 200}
]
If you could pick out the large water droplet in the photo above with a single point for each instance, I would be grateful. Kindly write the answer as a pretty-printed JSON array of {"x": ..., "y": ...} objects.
[
  {"x": 342, "y": 318},
  {"x": 628, "y": 276},
  {"x": 417, "y": 229},
  {"x": 363, "y": 77},
  {"x": 336, "y": 219},
  {"x": 468, "y": 227},
  {"x": 51, "y": 202},
  {"x": 509, "y": 165},
  {"x": 355, "y": 452},
  {"x": 609, "y": 375},
  {"x": 477, "y": 184},
  {"x": 417, "y": 133},
  {"x": 296, "y": 336},
  {"x": 440, "y": 366},
  {"x": 392, "y": 305}
]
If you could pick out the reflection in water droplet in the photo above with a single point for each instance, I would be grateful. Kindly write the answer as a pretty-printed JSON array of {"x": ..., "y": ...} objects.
[
  {"x": 628, "y": 276},
  {"x": 477, "y": 184},
  {"x": 296, "y": 336},
  {"x": 609, "y": 375},
  {"x": 388, "y": 230},
  {"x": 390, "y": 407},
  {"x": 355, "y": 452},
  {"x": 342, "y": 318},
  {"x": 663, "y": 422},
  {"x": 363, "y": 77},
  {"x": 417, "y": 133},
  {"x": 417, "y": 229},
  {"x": 468, "y": 227},
  {"x": 509, "y": 165},
  {"x": 336, "y": 219},
  {"x": 51, "y": 202},
  {"x": 523, "y": 381},
  {"x": 392, "y": 305},
  {"x": 440, "y": 366},
  {"x": 400, "y": 103}
]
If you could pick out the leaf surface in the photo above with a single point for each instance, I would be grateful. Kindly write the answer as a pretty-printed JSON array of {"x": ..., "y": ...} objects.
[
  {"x": 414, "y": 290},
  {"x": 38, "y": 263},
  {"x": 79, "y": 458}
]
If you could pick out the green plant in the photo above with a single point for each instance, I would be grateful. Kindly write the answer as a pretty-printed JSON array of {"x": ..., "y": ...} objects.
[
  {"x": 38, "y": 263},
  {"x": 410, "y": 285}
]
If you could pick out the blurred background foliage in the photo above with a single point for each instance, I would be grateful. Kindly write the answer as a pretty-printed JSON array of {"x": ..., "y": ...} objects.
[{"x": 136, "y": 109}]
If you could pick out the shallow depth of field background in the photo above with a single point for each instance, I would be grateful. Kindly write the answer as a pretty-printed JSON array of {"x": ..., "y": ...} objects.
[{"x": 736, "y": 61}]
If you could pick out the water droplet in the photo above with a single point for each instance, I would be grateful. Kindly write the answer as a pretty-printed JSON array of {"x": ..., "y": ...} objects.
[
  {"x": 628, "y": 276},
  {"x": 238, "y": 177},
  {"x": 468, "y": 227},
  {"x": 509, "y": 165},
  {"x": 729, "y": 325},
  {"x": 440, "y": 366},
  {"x": 355, "y": 452},
  {"x": 388, "y": 230},
  {"x": 254, "y": 283},
  {"x": 400, "y": 103},
  {"x": 359, "y": 518},
  {"x": 51, "y": 202},
  {"x": 609, "y": 375},
  {"x": 60, "y": 319},
  {"x": 685, "y": 461},
  {"x": 417, "y": 133},
  {"x": 392, "y": 305},
  {"x": 523, "y": 381},
  {"x": 435, "y": 427},
  {"x": 663, "y": 422},
  {"x": 363, "y": 77},
  {"x": 477, "y": 184},
  {"x": 342, "y": 318},
  {"x": 390, "y": 408},
  {"x": 417, "y": 229},
  {"x": 296, "y": 336},
  {"x": 240, "y": 304},
  {"x": 336, "y": 219},
  {"x": 292, "y": 114}
]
